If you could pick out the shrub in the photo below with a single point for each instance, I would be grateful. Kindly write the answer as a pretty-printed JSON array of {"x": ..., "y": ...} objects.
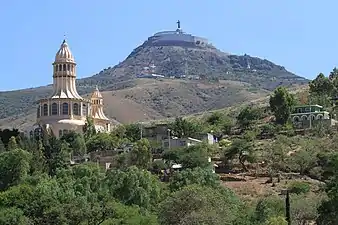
[{"x": 299, "y": 187}]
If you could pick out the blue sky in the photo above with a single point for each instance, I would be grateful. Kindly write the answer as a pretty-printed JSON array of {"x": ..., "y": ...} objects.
[{"x": 300, "y": 35}]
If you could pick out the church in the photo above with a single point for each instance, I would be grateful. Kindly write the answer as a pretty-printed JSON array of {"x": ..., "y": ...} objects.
[{"x": 65, "y": 110}]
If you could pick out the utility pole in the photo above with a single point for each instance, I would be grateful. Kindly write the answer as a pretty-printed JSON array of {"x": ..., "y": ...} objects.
[
  {"x": 170, "y": 169},
  {"x": 287, "y": 208},
  {"x": 287, "y": 205}
]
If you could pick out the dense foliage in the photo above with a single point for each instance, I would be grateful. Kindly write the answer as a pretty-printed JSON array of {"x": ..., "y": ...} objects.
[{"x": 40, "y": 184}]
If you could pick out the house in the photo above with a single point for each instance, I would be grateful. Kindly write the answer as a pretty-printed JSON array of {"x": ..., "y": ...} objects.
[
  {"x": 180, "y": 142},
  {"x": 304, "y": 116}
]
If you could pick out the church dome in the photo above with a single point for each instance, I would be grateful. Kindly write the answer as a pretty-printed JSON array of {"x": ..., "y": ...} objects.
[{"x": 64, "y": 54}]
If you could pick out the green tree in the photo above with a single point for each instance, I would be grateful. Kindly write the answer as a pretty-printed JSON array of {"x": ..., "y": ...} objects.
[
  {"x": 194, "y": 156},
  {"x": 196, "y": 175},
  {"x": 219, "y": 124},
  {"x": 183, "y": 128},
  {"x": 248, "y": 116},
  {"x": 321, "y": 85},
  {"x": 267, "y": 208},
  {"x": 241, "y": 148},
  {"x": 76, "y": 142},
  {"x": 199, "y": 205},
  {"x": 120, "y": 131},
  {"x": 281, "y": 104},
  {"x": 13, "y": 216},
  {"x": 133, "y": 132},
  {"x": 141, "y": 154},
  {"x": 57, "y": 154},
  {"x": 38, "y": 165},
  {"x": 14, "y": 166},
  {"x": 12, "y": 145},
  {"x": 304, "y": 207},
  {"x": 89, "y": 128},
  {"x": 6, "y": 134},
  {"x": 135, "y": 187},
  {"x": 328, "y": 210},
  {"x": 101, "y": 142}
]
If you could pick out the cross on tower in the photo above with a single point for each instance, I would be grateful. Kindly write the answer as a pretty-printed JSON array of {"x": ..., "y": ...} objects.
[{"x": 178, "y": 24}]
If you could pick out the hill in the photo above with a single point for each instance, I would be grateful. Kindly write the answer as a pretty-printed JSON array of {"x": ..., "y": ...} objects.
[{"x": 224, "y": 80}]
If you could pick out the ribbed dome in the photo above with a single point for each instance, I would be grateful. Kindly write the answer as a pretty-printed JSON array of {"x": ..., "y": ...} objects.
[
  {"x": 64, "y": 54},
  {"x": 96, "y": 94}
]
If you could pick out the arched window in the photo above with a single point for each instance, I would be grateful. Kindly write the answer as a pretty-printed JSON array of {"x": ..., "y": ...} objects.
[
  {"x": 54, "y": 109},
  {"x": 296, "y": 119},
  {"x": 64, "y": 67},
  {"x": 304, "y": 117},
  {"x": 65, "y": 109},
  {"x": 76, "y": 110},
  {"x": 84, "y": 109},
  {"x": 312, "y": 117},
  {"x": 319, "y": 116},
  {"x": 45, "y": 109},
  {"x": 38, "y": 112},
  {"x": 60, "y": 67},
  {"x": 55, "y": 68},
  {"x": 60, "y": 133}
]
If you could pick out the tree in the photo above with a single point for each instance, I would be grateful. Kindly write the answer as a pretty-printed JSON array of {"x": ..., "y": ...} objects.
[
  {"x": 135, "y": 187},
  {"x": 194, "y": 204},
  {"x": 219, "y": 124},
  {"x": 276, "y": 154},
  {"x": 57, "y": 154},
  {"x": 183, "y": 128},
  {"x": 196, "y": 175},
  {"x": 14, "y": 166},
  {"x": 133, "y": 132},
  {"x": 281, "y": 104},
  {"x": 248, "y": 116},
  {"x": 76, "y": 142},
  {"x": 241, "y": 148},
  {"x": 6, "y": 134},
  {"x": 12, "y": 145},
  {"x": 13, "y": 216},
  {"x": 321, "y": 85},
  {"x": 267, "y": 208},
  {"x": 141, "y": 155},
  {"x": 89, "y": 128},
  {"x": 194, "y": 156},
  {"x": 38, "y": 165},
  {"x": 101, "y": 142},
  {"x": 304, "y": 207},
  {"x": 328, "y": 210}
]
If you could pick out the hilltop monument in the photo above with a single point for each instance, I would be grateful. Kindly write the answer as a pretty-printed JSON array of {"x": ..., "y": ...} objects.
[
  {"x": 177, "y": 38},
  {"x": 65, "y": 110}
]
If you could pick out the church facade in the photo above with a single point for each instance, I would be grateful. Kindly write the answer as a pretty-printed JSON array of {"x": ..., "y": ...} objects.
[{"x": 65, "y": 110}]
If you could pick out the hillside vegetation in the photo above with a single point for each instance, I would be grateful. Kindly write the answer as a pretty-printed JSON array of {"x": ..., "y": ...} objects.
[{"x": 259, "y": 155}]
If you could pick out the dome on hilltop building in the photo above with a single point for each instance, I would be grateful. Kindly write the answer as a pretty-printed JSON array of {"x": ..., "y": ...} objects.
[{"x": 64, "y": 54}]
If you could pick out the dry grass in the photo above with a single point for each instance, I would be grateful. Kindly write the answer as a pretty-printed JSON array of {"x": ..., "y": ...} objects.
[{"x": 154, "y": 99}]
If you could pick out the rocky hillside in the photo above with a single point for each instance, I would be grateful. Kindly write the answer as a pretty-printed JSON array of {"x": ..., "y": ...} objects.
[{"x": 250, "y": 76}]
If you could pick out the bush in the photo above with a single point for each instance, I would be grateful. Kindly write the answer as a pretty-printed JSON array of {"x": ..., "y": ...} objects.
[{"x": 299, "y": 187}]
